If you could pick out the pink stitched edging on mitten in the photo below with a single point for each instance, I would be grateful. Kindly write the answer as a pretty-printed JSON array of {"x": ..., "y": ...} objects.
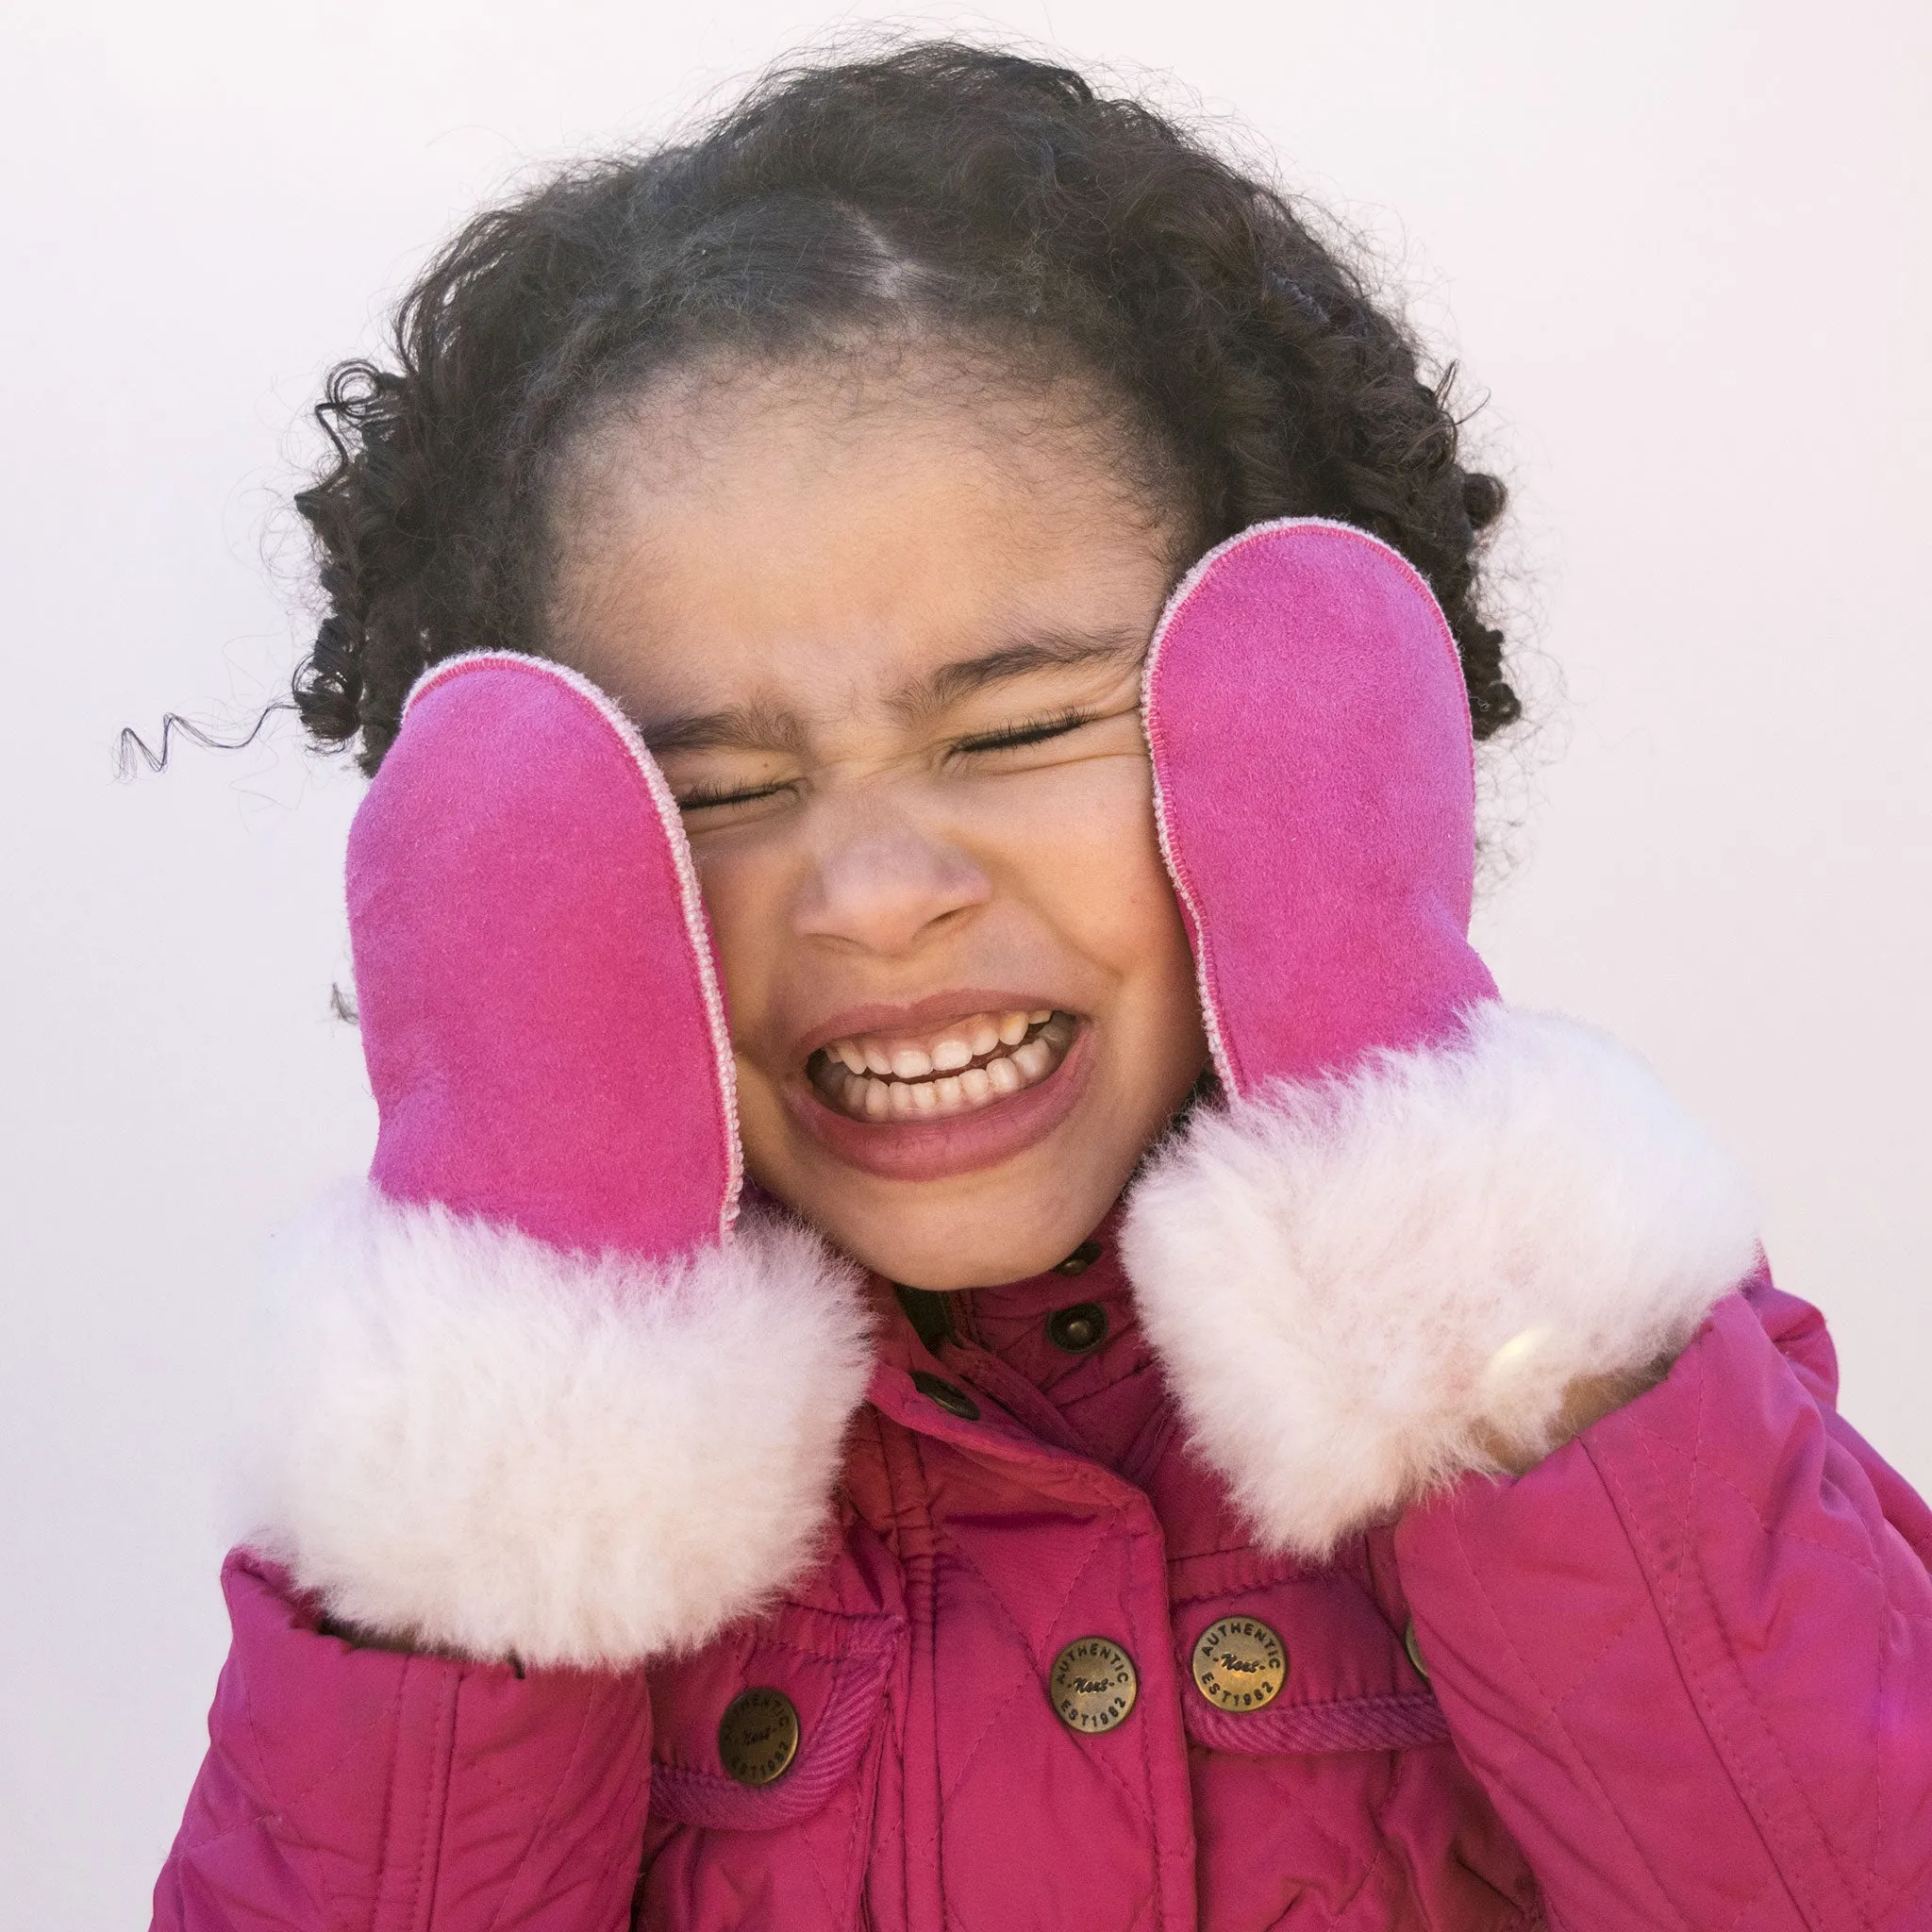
[
  {"x": 697, "y": 925},
  {"x": 1314, "y": 791},
  {"x": 543, "y": 1023}
]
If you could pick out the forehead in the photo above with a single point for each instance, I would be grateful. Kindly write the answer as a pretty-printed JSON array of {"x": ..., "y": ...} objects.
[{"x": 826, "y": 546}]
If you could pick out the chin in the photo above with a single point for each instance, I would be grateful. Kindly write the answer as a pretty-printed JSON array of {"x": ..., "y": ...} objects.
[
  {"x": 942, "y": 1251},
  {"x": 974, "y": 1231}
]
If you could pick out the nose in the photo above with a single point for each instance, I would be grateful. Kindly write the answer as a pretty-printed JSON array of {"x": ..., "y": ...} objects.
[{"x": 882, "y": 883}]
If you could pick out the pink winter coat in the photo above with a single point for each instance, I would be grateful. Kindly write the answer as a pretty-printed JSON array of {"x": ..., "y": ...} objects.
[{"x": 1677, "y": 1676}]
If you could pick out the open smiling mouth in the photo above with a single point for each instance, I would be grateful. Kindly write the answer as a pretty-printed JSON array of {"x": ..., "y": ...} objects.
[{"x": 965, "y": 1065}]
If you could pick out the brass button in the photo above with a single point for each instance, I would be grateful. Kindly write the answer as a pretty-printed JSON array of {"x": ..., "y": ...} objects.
[
  {"x": 758, "y": 1736},
  {"x": 1094, "y": 1685},
  {"x": 1082, "y": 1258},
  {"x": 1240, "y": 1664},
  {"x": 1079, "y": 1329},
  {"x": 954, "y": 1401},
  {"x": 1415, "y": 1651}
]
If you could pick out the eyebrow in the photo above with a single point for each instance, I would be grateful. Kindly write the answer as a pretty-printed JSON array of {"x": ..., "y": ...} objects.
[
  {"x": 760, "y": 725},
  {"x": 1045, "y": 651},
  {"x": 755, "y": 726}
]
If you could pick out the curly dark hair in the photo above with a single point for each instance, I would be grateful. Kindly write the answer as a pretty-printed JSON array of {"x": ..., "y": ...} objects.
[{"x": 937, "y": 186}]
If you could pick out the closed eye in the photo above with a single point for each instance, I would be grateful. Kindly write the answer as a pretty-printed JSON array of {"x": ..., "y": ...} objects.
[
  {"x": 698, "y": 799},
  {"x": 1034, "y": 731}
]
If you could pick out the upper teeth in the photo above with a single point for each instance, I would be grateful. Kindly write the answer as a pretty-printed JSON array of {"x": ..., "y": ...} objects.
[
  {"x": 971, "y": 1062},
  {"x": 963, "y": 1043}
]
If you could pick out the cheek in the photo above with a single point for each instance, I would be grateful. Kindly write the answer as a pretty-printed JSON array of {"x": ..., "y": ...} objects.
[
  {"x": 1094, "y": 873},
  {"x": 743, "y": 909},
  {"x": 1094, "y": 867},
  {"x": 1098, "y": 879}
]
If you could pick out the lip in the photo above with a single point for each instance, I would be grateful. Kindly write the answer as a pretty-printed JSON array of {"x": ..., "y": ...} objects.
[
  {"x": 915, "y": 1150},
  {"x": 961, "y": 1003}
]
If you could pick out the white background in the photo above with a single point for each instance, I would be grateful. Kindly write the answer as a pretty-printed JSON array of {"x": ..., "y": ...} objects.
[{"x": 1683, "y": 246}]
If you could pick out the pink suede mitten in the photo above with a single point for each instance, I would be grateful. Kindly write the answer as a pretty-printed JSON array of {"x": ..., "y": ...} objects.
[
  {"x": 1418, "y": 1217},
  {"x": 540, "y": 1013},
  {"x": 544, "y": 1400}
]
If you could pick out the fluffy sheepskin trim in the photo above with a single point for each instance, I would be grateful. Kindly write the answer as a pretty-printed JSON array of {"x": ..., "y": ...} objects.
[
  {"x": 1355, "y": 1284},
  {"x": 479, "y": 1444}
]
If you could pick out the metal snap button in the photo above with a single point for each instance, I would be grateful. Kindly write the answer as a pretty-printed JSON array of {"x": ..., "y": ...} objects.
[
  {"x": 1082, "y": 1258},
  {"x": 1094, "y": 1685},
  {"x": 1415, "y": 1651},
  {"x": 954, "y": 1401},
  {"x": 1240, "y": 1664},
  {"x": 1079, "y": 1329},
  {"x": 758, "y": 1736}
]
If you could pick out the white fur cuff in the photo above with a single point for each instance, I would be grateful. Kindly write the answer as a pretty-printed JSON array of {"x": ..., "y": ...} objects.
[
  {"x": 481, "y": 1444},
  {"x": 1355, "y": 1284}
]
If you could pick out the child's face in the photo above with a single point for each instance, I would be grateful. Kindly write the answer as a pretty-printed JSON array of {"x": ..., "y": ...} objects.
[{"x": 885, "y": 637}]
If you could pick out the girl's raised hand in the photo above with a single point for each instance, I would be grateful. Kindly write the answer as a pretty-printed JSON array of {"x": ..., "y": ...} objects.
[
  {"x": 1315, "y": 788},
  {"x": 1425, "y": 1234},
  {"x": 544, "y": 1027},
  {"x": 546, "y": 1400}
]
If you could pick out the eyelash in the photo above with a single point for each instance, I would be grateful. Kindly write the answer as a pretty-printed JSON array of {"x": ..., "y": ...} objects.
[
  {"x": 698, "y": 798},
  {"x": 1009, "y": 738},
  {"x": 1036, "y": 731}
]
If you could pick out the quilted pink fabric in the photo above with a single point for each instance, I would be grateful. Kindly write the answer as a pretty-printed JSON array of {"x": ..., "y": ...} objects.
[{"x": 1678, "y": 1677}]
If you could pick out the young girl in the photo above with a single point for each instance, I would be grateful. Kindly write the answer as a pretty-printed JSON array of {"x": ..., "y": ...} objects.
[{"x": 1046, "y": 1354}]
